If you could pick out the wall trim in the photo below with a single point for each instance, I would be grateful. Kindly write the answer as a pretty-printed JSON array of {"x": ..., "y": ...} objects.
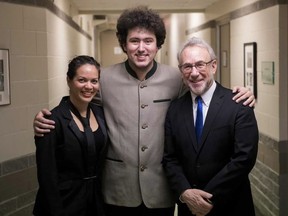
[
  {"x": 17, "y": 164},
  {"x": 241, "y": 12},
  {"x": 48, "y": 4}
]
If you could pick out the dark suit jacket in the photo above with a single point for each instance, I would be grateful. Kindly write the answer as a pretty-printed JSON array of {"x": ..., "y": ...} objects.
[
  {"x": 61, "y": 166},
  {"x": 221, "y": 161}
]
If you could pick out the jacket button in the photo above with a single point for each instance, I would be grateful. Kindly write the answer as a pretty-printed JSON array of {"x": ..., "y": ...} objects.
[
  {"x": 142, "y": 168},
  {"x": 143, "y": 106},
  {"x": 143, "y": 148},
  {"x": 144, "y": 126},
  {"x": 143, "y": 86}
]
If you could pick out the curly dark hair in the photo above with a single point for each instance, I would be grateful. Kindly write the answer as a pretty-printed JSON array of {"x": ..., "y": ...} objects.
[{"x": 141, "y": 17}]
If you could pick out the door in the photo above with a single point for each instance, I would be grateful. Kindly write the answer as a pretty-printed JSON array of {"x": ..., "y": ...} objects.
[{"x": 224, "y": 53}]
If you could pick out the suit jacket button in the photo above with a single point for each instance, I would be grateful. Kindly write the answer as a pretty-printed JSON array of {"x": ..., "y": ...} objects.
[{"x": 142, "y": 168}]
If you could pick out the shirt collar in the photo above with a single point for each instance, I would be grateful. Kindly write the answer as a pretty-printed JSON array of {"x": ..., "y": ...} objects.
[
  {"x": 132, "y": 72},
  {"x": 207, "y": 96}
]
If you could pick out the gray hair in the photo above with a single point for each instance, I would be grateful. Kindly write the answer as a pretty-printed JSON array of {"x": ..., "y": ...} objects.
[{"x": 194, "y": 41}]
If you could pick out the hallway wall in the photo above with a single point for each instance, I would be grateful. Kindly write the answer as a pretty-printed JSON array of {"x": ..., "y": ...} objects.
[
  {"x": 263, "y": 28},
  {"x": 41, "y": 40},
  {"x": 40, "y": 46}
]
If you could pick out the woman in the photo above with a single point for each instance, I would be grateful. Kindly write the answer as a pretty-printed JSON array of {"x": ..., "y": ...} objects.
[{"x": 69, "y": 159}]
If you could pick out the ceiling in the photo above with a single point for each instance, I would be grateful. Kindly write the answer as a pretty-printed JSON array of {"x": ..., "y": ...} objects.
[
  {"x": 103, "y": 7},
  {"x": 106, "y": 12}
]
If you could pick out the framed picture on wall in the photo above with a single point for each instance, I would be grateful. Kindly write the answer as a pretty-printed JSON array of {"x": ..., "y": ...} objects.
[
  {"x": 250, "y": 67},
  {"x": 4, "y": 77}
]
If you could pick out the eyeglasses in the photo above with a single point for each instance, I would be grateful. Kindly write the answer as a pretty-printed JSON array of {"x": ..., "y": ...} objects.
[{"x": 187, "y": 68}]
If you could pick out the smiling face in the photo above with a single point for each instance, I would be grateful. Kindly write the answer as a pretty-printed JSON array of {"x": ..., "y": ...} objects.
[
  {"x": 198, "y": 80},
  {"x": 84, "y": 85},
  {"x": 141, "y": 49}
]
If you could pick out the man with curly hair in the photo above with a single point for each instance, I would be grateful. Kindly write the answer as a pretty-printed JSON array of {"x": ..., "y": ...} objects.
[{"x": 135, "y": 95}]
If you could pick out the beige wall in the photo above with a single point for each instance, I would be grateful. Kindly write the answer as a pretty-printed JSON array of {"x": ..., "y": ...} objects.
[
  {"x": 40, "y": 45},
  {"x": 110, "y": 51},
  {"x": 263, "y": 28}
]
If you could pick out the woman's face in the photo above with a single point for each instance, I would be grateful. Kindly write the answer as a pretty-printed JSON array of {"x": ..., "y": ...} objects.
[{"x": 85, "y": 84}]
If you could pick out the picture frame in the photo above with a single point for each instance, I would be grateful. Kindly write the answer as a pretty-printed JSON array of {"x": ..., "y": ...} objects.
[
  {"x": 267, "y": 72},
  {"x": 250, "y": 67},
  {"x": 4, "y": 77}
]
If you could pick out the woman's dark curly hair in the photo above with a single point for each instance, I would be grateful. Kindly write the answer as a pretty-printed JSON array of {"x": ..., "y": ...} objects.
[{"x": 140, "y": 17}]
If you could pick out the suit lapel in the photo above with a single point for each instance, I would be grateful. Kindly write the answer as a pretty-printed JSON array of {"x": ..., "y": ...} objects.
[
  {"x": 214, "y": 108},
  {"x": 189, "y": 119},
  {"x": 73, "y": 126},
  {"x": 68, "y": 116}
]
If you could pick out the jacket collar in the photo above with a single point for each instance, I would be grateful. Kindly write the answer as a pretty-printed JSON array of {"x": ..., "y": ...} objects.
[{"x": 132, "y": 72}]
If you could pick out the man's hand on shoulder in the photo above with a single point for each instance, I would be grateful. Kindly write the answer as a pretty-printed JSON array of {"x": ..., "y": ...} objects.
[
  {"x": 41, "y": 125},
  {"x": 243, "y": 93}
]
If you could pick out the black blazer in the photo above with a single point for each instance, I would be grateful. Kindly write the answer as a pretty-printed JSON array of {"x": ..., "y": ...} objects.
[
  {"x": 61, "y": 167},
  {"x": 221, "y": 161}
]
